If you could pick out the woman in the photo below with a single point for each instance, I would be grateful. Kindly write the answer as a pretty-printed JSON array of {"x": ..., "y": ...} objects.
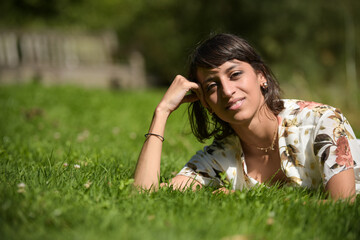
[{"x": 259, "y": 138}]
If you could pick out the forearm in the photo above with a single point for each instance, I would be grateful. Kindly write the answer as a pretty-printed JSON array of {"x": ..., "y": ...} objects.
[{"x": 147, "y": 171}]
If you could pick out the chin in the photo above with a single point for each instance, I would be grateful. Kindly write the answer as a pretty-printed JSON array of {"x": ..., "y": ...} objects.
[{"x": 238, "y": 119}]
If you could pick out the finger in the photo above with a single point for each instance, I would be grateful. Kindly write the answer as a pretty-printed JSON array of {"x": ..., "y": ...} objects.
[
  {"x": 190, "y": 98},
  {"x": 219, "y": 191},
  {"x": 215, "y": 192},
  {"x": 199, "y": 91},
  {"x": 196, "y": 92}
]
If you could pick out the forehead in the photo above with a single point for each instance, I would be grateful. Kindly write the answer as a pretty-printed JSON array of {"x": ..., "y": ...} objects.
[{"x": 204, "y": 74}]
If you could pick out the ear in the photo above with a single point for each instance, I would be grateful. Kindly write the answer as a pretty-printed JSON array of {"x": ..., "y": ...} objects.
[{"x": 261, "y": 78}]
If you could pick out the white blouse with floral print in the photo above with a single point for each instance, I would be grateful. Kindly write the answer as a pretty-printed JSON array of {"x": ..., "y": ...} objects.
[{"x": 315, "y": 143}]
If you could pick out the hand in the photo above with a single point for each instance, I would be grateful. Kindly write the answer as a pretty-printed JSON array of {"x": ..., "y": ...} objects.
[
  {"x": 223, "y": 190},
  {"x": 178, "y": 93}
]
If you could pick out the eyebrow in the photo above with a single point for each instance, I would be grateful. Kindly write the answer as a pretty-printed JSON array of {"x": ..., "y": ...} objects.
[
  {"x": 231, "y": 68},
  {"x": 209, "y": 79}
]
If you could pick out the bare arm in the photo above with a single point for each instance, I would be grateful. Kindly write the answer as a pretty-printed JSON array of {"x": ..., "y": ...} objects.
[
  {"x": 342, "y": 185},
  {"x": 147, "y": 171}
]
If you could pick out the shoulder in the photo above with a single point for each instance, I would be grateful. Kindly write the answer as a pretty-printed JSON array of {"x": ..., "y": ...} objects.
[
  {"x": 295, "y": 106},
  {"x": 308, "y": 112},
  {"x": 315, "y": 120}
]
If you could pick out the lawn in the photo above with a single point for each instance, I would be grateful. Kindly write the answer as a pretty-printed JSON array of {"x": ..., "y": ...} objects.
[{"x": 67, "y": 157}]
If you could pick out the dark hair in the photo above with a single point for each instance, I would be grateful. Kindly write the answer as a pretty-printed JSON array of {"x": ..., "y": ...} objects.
[{"x": 212, "y": 53}]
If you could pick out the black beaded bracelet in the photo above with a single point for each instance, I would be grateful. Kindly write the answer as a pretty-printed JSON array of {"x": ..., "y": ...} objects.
[{"x": 156, "y": 135}]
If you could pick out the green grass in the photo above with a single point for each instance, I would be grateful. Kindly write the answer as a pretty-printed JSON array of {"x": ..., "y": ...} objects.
[{"x": 46, "y": 131}]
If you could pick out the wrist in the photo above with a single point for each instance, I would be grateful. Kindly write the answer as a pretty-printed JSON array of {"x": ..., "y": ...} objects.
[{"x": 161, "y": 111}]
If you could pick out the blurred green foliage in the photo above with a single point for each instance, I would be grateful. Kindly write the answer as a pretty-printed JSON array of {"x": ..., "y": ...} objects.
[{"x": 309, "y": 44}]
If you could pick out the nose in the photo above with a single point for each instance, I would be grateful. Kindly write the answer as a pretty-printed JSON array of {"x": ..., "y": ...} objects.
[{"x": 227, "y": 88}]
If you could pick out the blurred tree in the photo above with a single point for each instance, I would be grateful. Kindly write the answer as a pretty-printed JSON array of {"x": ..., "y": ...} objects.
[{"x": 309, "y": 40}]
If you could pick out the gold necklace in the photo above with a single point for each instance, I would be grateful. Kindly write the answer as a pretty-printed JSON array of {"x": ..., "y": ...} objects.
[{"x": 271, "y": 147}]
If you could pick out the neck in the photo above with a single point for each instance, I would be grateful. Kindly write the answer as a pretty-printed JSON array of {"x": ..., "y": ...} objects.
[{"x": 259, "y": 132}]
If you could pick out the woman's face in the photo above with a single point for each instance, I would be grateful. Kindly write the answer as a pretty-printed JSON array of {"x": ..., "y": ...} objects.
[{"x": 232, "y": 91}]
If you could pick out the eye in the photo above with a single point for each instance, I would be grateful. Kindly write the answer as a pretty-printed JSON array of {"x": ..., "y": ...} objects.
[
  {"x": 210, "y": 86},
  {"x": 235, "y": 75}
]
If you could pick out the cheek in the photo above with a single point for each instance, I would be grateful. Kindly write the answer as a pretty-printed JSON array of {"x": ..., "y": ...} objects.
[
  {"x": 211, "y": 99},
  {"x": 253, "y": 87}
]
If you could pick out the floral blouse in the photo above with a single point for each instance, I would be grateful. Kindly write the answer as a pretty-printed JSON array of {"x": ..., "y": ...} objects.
[{"x": 316, "y": 142}]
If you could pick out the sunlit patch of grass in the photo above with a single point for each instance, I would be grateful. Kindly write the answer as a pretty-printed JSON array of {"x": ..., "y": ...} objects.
[{"x": 67, "y": 157}]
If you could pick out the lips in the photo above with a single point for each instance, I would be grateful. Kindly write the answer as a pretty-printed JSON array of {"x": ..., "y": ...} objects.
[{"x": 235, "y": 104}]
